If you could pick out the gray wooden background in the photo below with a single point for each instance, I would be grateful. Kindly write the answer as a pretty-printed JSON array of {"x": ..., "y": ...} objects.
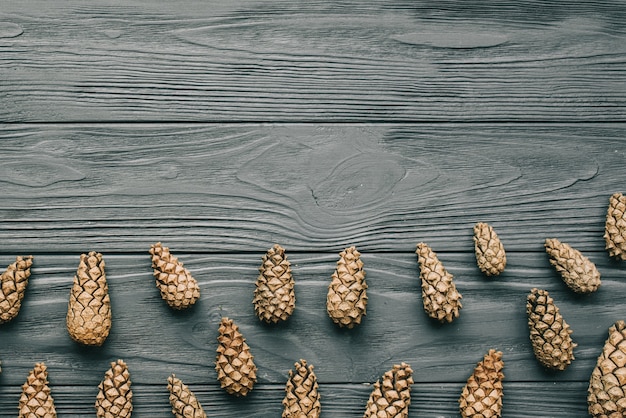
[{"x": 221, "y": 128}]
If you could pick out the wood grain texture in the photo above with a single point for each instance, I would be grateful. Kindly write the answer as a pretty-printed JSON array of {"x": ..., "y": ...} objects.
[
  {"x": 392, "y": 60},
  {"x": 236, "y": 188}
]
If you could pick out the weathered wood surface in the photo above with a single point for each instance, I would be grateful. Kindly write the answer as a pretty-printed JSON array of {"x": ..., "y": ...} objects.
[{"x": 391, "y": 60}]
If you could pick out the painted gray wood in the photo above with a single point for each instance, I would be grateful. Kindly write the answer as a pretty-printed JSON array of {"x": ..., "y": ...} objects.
[{"x": 324, "y": 61}]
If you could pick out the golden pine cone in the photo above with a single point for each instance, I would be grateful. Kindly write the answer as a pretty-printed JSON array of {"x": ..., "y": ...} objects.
[
  {"x": 482, "y": 394},
  {"x": 302, "y": 399},
  {"x": 549, "y": 333},
  {"x": 184, "y": 402},
  {"x": 392, "y": 397},
  {"x": 615, "y": 226},
  {"x": 36, "y": 400},
  {"x": 178, "y": 288},
  {"x": 13, "y": 284},
  {"x": 606, "y": 395},
  {"x": 235, "y": 366},
  {"x": 346, "y": 301},
  {"x": 89, "y": 309},
  {"x": 115, "y": 397},
  {"x": 578, "y": 273},
  {"x": 441, "y": 299},
  {"x": 274, "y": 295},
  {"x": 490, "y": 255}
]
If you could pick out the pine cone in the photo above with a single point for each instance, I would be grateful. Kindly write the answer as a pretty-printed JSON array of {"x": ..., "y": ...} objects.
[
  {"x": 347, "y": 293},
  {"x": 615, "y": 227},
  {"x": 606, "y": 395},
  {"x": 302, "y": 399},
  {"x": 13, "y": 284},
  {"x": 235, "y": 366},
  {"x": 393, "y": 397},
  {"x": 178, "y": 288},
  {"x": 274, "y": 296},
  {"x": 441, "y": 299},
  {"x": 184, "y": 402},
  {"x": 549, "y": 333},
  {"x": 578, "y": 273},
  {"x": 89, "y": 308},
  {"x": 36, "y": 400},
  {"x": 115, "y": 398},
  {"x": 482, "y": 394},
  {"x": 490, "y": 255}
]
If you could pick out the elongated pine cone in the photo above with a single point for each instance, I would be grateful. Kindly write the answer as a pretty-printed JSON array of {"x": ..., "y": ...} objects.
[
  {"x": 13, "y": 284},
  {"x": 490, "y": 255},
  {"x": 482, "y": 394},
  {"x": 441, "y": 299},
  {"x": 36, "y": 400},
  {"x": 178, "y": 288},
  {"x": 578, "y": 273},
  {"x": 274, "y": 295},
  {"x": 89, "y": 309},
  {"x": 549, "y": 333},
  {"x": 615, "y": 226},
  {"x": 302, "y": 399},
  {"x": 184, "y": 402},
  {"x": 392, "y": 397},
  {"x": 235, "y": 366},
  {"x": 115, "y": 397},
  {"x": 606, "y": 396},
  {"x": 346, "y": 301}
]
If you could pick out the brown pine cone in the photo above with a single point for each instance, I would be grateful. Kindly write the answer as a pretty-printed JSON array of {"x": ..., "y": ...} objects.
[
  {"x": 89, "y": 308},
  {"x": 184, "y": 402},
  {"x": 549, "y": 333},
  {"x": 606, "y": 395},
  {"x": 441, "y": 299},
  {"x": 392, "y": 397},
  {"x": 346, "y": 301},
  {"x": 482, "y": 394},
  {"x": 302, "y": 399},
  {"x": 178, "y": 288},
  {"x": 36, "y": 400},
  {"x": 13, "y": 284},
  {"x": 578, "y": 273},
  {"x": 615, "y": 226},
  {"x": 115, "y": 398},
  {"x": 490, "y": 255},
  {"x": 274, "y": 295},
  {"x": 235, "y": 366}
]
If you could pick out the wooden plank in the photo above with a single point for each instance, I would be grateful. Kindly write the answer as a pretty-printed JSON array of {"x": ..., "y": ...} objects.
[
  {"x": 432, "y": 400},
  {"x": 236, "y": 188},
  {"x": 312, "y": 61},
  {"x": 156, "y": 341}
]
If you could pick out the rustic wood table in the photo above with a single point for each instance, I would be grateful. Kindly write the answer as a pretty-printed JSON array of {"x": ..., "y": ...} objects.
[{"x": 222, "y": 127}]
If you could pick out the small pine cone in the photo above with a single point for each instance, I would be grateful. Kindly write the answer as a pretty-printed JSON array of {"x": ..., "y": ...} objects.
[
  {"x": 392, "y": 397},
  {"x": 441, "y": 299},
  {"x": 115, "y": 398},
  {"x": 235, "y": 366},
  {"x": 184, "y": 402},
  {"x": 615, "y": 226},
  {"x": 549, "y": 333},
  {"x": 89, "y": 309},
  {"x": 274, "y": 296},
  {"x": 578, "y": 273},
  {"x": 490, "y": 255},
  {"x": 606, "y": 395},
  {"x": 13, "y": 284},
  {"x": 178, "y": 288},
  {"x": 36, "y": 400},
  {"x": 482, "y": 394},
  {"x": 302, "y": 399},
  {"x": 347, "y": 293}
]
